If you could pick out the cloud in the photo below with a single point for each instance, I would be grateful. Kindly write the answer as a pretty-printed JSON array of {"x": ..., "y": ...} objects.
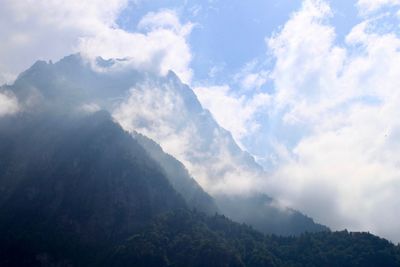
[
  {"x": 252, "y": 78},
  {"x": 49, "y": 29},
  {"x": 231, "y": 111},
  {"x": 8, "y": 104},
  {"x": 369, "y": 6},
  {"x": 89, "y": 108},
  {"x": 344, "y": 169},
  {"x": 332, "y": 115},
  {"x": 52, "y": 29},
  {"x": 168, "y": 112},
  {"x": 165, "y": 19},
  {"x": 161, "y": 48}
]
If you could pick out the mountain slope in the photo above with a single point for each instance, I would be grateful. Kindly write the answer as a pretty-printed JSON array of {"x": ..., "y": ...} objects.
[
  {"x": 79, "y": 191},
  {"x": 167, "y": 111},
  {"x": 261, "y": 212},
  {"x": 71, "y": 187},
  {"x": 191, "y": 239},
  {"x": 179, "y": 177},
  {"x": 162, "y": 108}
]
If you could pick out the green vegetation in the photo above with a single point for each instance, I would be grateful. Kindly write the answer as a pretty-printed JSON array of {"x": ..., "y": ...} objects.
[
  {"x": 79, "y": 191},
  {"x": 186, "y": 238}
]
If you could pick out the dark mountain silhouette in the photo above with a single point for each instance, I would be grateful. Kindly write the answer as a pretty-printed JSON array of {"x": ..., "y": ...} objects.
[{"x": 71, "y": 187}]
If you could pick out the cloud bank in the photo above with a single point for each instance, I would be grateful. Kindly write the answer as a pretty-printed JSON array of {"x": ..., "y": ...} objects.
[
  {"x": 345, "y": 171},
  {"x": 335, "y": 112}
]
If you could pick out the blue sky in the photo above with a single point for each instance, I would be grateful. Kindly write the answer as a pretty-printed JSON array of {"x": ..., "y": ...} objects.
[
  {"x": 230, "y": 34},
  {"x": 214, "y": 41},
  {"x": 318, "y": 115}
]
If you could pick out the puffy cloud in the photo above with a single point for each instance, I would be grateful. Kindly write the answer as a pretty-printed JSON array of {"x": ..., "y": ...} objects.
[
  {"x": 51, "y": 29},
  {"x": 344, "y": 169},
  {"x": 161, "y": 48},
  {"x": 334, "y": 118},
  {"x": 8, "y": 103}
]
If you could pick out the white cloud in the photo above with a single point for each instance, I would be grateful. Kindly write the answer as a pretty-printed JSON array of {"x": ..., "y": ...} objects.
[
  {"x": 168, "y": 113},
  {"x": 344, "y": 170},
  {"x": 254, "y": 80},
  {"x": 161, "y": 48},
  {"x": 368, "y": 6},
  {"x": 231, "y": 111},
  {"x": 8, "y": 103},
  {"x": 90, "y": 108},
  {"x": 251, "y": 78},
  {"x": 165, "y": 19},
  {"x": 334, "y": 119},
  {"x": 48, "y": 29}
]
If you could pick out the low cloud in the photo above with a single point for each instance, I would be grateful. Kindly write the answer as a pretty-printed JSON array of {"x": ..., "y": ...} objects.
[
  {"x": 232, "y": 111},
  {"x": 333, "y": 119},
  {"x": 344, "y": 169},
  {"x": 168, "y": 112},
  {"x": 8, "y": 104}
]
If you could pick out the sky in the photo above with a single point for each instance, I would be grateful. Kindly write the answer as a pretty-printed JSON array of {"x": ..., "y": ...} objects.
[{"x": 310, "y": 88}]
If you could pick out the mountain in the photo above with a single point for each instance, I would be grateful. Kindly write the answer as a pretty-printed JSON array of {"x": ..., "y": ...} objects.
[
  {"x": 167, "y": 111},
  {"x": 179, "y": 177},
  {"x": 72, "y": 187},
  {"x": 77, "y": 190},
  {"x": 261, "y": 212},
  {"x": 162, "y": 108},
  {"x": 192, "y": 239}
]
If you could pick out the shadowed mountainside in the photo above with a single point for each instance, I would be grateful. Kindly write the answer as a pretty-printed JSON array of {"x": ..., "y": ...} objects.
[{"x": 72, "y": 85}]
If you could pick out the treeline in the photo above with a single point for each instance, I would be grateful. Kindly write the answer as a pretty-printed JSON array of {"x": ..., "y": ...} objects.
[{"x": 186, "y": 238}]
